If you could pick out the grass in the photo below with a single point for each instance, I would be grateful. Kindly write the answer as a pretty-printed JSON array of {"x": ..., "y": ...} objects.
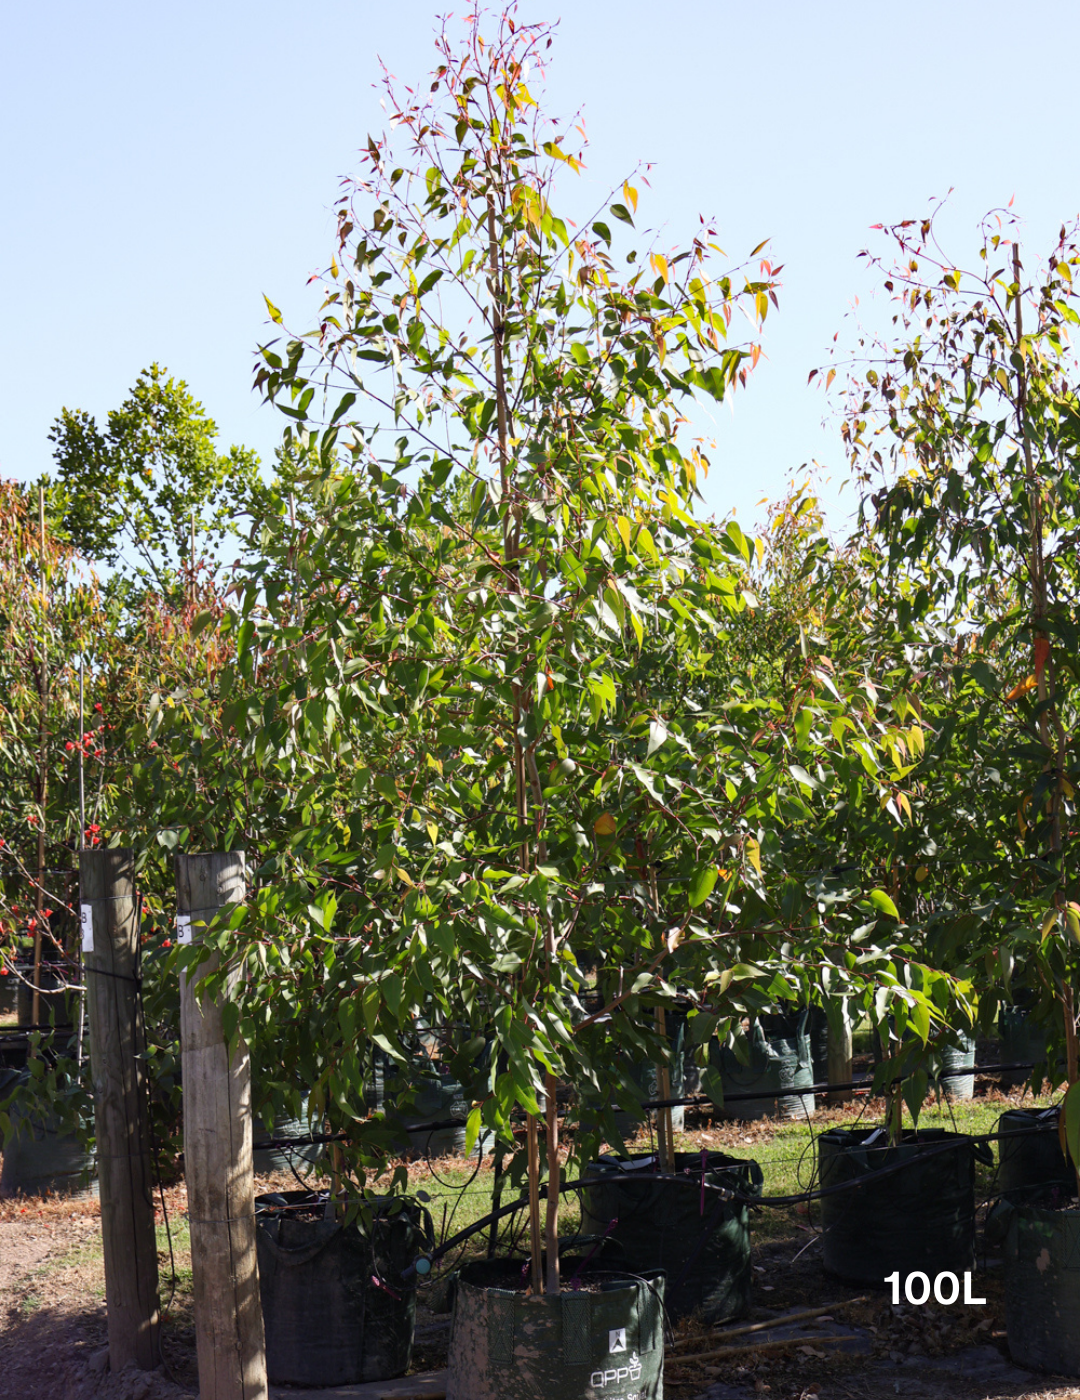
[{"x": 459, "y": 1195}]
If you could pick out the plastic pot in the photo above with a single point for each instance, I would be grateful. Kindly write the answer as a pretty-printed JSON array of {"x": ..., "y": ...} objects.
[
  {"x": 1041, "y": 1257},
  {"x": 604, "y": 1337},
  {"x": 1031, "y": 1161},
  {"x": 958, "y": 1087},
  {"x": 686, "y": 1228},
  {"x": 910, "y": 1207},
  {"x": 335, "y": 1306},
  {"x": 780, "y": 1058}
]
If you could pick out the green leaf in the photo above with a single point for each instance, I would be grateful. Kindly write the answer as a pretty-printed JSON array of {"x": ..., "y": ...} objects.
[
  {"x": 881, "y": 901},
  {"x": 621, "y": 212},
  {"x": 914, "y": 1092},
  {"x": 702, "y": 883},
  {"x": 1070, "y": 1112},
  {"x": 202, "y": 621},
  {"x": 472, "y": 1129},
  {"x": 230, "y": 1020},
  {"x": 275, "y": 314}
]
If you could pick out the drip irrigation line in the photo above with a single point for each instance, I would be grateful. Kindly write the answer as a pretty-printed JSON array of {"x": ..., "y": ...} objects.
[
  {"x": 689, "y": 1178},
  {"x": 689, "y": 1102},
  {"x": 17, "y": 1032}
]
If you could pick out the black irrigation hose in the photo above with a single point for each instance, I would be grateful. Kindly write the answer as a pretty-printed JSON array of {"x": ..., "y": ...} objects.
[
  {"x": 690, "y": 1178},
  {"x": 690, "y": 1102},
  {"x": 19, "y": 1032}
]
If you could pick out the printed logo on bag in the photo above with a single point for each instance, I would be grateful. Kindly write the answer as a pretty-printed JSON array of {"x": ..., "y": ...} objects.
[
  {"x": 616, "y": 1339},
  {"x": 630, "y": 1372}
]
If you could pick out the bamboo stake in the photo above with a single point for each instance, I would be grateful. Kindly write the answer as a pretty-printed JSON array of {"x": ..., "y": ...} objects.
[
  {"x": 664, "y": 1131},
  {"x": 82, "y": 843},
  {"x": 551, "y": 1220},
  {"x": 43, "y": 768},
  {"x": 534, "y": 1205},
  {"x": 784, "y": 1321}
]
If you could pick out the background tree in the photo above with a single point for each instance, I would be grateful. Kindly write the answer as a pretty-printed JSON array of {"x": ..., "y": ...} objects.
[
  {"x": 966, "y": 420},
  {"x": 150, "y": 494}
]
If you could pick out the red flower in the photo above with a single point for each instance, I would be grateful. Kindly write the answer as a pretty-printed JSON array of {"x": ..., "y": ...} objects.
[
  {"x": 98, "y": 707},
  {"x": 166, "y": 943},
  {"x": 3, "y": 972},
  {"x": 69, "y": 746}
]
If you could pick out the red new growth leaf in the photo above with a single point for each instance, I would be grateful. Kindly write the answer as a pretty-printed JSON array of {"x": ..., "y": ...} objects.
[{"x": 1042, "y": 653}]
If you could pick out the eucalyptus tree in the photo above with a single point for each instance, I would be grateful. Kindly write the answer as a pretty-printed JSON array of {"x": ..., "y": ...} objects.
[
  {"x": 963, "y": 427},
  {"x": 468, "y": 725}
]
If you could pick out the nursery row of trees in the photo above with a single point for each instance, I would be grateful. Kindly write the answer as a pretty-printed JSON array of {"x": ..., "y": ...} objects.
[{"x": 522, "y": 749}]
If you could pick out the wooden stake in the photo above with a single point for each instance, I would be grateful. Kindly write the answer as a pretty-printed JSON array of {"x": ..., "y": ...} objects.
[
  {"x": 551, "y": 1220},
  {"x": 664, "y": 1131},
  {"x": 110, "y": 960},
  {"x": 496, "y": 1198},
  {"x": 839, "y": 1057},
  {"x": 535, "y": 1236},
  {"x": 217, "y": 1156}
]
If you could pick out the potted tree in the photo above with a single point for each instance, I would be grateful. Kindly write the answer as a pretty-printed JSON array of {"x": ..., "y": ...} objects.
[
  {"x": 446, "y": 675},
  {"x": 979, "y": 406}
]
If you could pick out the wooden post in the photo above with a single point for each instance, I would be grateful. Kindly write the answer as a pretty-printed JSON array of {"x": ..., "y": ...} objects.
[
  {"x": 217, "y": 1156},
  {"x": 110, "y": 924},
  {"x": 839, "y": 1056}
]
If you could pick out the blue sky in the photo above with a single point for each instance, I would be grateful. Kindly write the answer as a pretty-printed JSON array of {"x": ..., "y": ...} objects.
[{"x": 164, "y": 166}]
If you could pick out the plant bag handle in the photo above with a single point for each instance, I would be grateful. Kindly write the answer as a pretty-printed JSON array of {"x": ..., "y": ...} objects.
[
  {"x": 982, "y": 1151},
  {"x": 299, "y": 1254},
  {"x": 998, "y": 1219}
]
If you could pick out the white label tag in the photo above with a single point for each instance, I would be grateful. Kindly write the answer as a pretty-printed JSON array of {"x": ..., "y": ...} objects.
[
  {"x": 617, "y": 1339},
  {"x": 183, "y": 928},
  {"x": 86, "y": 918}
]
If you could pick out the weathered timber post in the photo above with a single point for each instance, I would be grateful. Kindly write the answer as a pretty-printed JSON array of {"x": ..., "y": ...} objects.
[
  {"x": 110, "y": 923},
  {"x": 839, "y": 1052},
  {"x": 217, "y": 1155}
]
